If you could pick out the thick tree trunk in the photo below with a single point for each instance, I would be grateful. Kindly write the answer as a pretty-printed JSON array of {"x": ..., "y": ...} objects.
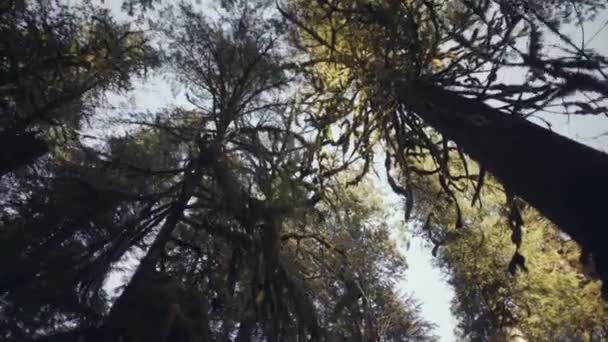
[{"x": 565, "y": 180}]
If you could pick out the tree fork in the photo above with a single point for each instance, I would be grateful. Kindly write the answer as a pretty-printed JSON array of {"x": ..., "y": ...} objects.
[{"x": 565, "y": 180}]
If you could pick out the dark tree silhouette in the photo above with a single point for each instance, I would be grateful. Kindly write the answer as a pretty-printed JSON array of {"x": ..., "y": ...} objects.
[
  {"x": 238, "y": 211},
  {"x": 55, "y": 61}
]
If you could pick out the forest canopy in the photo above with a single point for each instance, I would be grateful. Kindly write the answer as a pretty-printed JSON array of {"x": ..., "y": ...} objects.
[{"x": 247, "y": 206}]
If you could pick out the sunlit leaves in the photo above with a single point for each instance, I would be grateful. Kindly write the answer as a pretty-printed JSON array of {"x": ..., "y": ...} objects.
[{"x": 549, "y": 301}]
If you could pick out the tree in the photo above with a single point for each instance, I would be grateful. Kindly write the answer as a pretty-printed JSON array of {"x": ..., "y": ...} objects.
[
  {"x": 66, "y": 222},
  {"x": 259, "y": 169},
  {"x": 554, "y": 301},
  {"x": 552, "y": 297},
  {"x": 247, "y": 215},
  {"x": 55, "y": 62},
  {"x": 45, "y": 221},
  {"x": 399, "y": 67},
  {"x": 243, "y": 219}
]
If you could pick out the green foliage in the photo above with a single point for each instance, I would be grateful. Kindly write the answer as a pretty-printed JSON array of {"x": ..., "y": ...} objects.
[
  {"x": 245, "y": 210},
  {"x": 56, "y": 62},
  {"x": 395, "y": 59},
  {"x": 555, "y": 299},
  {"x": 252, "y": 200},
  {"x": 52, "y": 220}
]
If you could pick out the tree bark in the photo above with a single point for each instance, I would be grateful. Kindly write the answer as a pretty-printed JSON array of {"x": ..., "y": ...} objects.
[{"x": 565, "y": 180}]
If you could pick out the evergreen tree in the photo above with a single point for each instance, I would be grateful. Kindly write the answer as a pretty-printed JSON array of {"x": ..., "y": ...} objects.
[
  {"x": 247, "y": 214},
  {"x": 55, "y": 62},
  {"x": 244, "y": 221},
  {"x": 397, "y": 70},
  {"x": 550, "y": 297}
]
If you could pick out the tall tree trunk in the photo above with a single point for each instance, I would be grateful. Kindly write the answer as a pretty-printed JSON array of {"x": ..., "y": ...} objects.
[
  {"x": 565, "y": 180},
  {"x": 147, "y": 265}
]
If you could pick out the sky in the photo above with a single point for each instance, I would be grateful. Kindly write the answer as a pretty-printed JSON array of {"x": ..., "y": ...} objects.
[{"x": 422, "y": 279}]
